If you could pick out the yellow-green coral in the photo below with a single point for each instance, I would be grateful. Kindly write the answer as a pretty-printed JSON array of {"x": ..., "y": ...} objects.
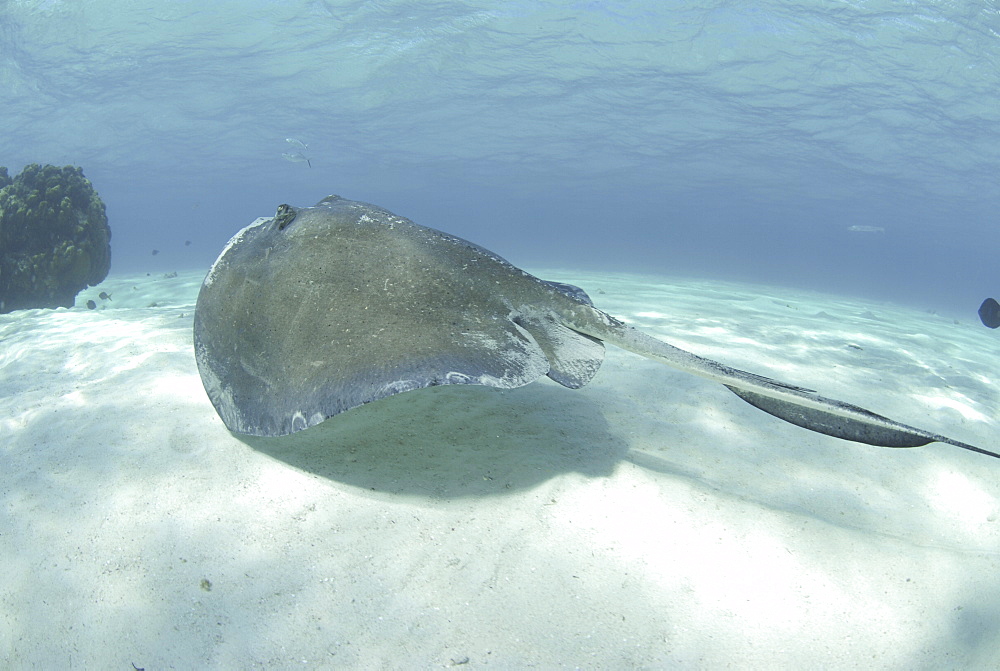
[{"x": 54, "y": 237}]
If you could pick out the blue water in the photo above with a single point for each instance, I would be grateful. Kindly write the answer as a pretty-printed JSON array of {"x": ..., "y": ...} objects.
[{"x": 720, "y": 139}]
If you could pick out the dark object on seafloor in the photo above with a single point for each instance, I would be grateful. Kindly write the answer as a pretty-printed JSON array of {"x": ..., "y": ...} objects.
[
  {"x": 989, "y": 313},
  {"x": 54, "y": 237}
]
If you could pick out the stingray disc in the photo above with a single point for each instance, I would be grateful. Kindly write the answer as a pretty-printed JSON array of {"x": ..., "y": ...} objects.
[{"x": 318, "y": 310}]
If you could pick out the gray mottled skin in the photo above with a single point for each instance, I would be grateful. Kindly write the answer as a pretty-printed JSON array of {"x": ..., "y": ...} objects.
[{"x": 321, "y": 309}]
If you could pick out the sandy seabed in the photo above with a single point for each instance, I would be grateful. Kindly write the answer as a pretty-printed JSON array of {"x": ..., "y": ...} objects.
[{"x": 649, "y": 520}]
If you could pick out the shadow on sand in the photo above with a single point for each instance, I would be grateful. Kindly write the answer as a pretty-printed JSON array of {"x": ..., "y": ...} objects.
[{"x": 456, "y": 441}]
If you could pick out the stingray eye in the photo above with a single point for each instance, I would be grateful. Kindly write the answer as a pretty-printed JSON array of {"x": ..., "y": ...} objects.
[{"x": 284, "y": 216}]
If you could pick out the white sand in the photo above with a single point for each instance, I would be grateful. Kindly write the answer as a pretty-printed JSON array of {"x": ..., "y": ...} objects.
[{"x": 650, "y": 520}]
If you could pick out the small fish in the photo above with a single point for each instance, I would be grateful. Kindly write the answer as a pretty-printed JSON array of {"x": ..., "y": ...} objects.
[
  {"x": 296, "y": 157},
  {"x": 91, "y": 305},
  {"x": 155, "y": 252},
  {"x": 104, "y": 296},
  {"x": 866, "y": 229},
  {"x": 187, "y": 243},
  {"x": 296, "y": 143}
]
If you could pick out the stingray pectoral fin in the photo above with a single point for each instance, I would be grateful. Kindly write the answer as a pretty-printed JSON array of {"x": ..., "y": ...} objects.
[
  {"x": 570, "y": 290},
  {"x": 574, "y": 358}
]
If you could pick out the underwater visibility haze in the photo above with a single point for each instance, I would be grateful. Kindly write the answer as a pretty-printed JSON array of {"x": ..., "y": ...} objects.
[
  {"x": 843, "y": 146},
  {"x": 806, "y": 190}
]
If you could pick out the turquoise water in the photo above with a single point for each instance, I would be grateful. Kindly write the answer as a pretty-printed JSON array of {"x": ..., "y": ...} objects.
[
  {"x": 776, "y": 186},
  {"x": 707, "y": 138}
]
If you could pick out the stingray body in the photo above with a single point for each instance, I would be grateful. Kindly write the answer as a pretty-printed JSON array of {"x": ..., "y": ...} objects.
[{"x": 321, "y": 309}]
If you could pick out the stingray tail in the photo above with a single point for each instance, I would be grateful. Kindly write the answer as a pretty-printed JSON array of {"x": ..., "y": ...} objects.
[
  {"x": 869, "y": 428},
  {"x": 796, "y": 405}
]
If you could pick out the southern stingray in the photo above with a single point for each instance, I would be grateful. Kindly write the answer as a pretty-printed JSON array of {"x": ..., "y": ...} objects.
[{"x": 321, "y": 309}]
